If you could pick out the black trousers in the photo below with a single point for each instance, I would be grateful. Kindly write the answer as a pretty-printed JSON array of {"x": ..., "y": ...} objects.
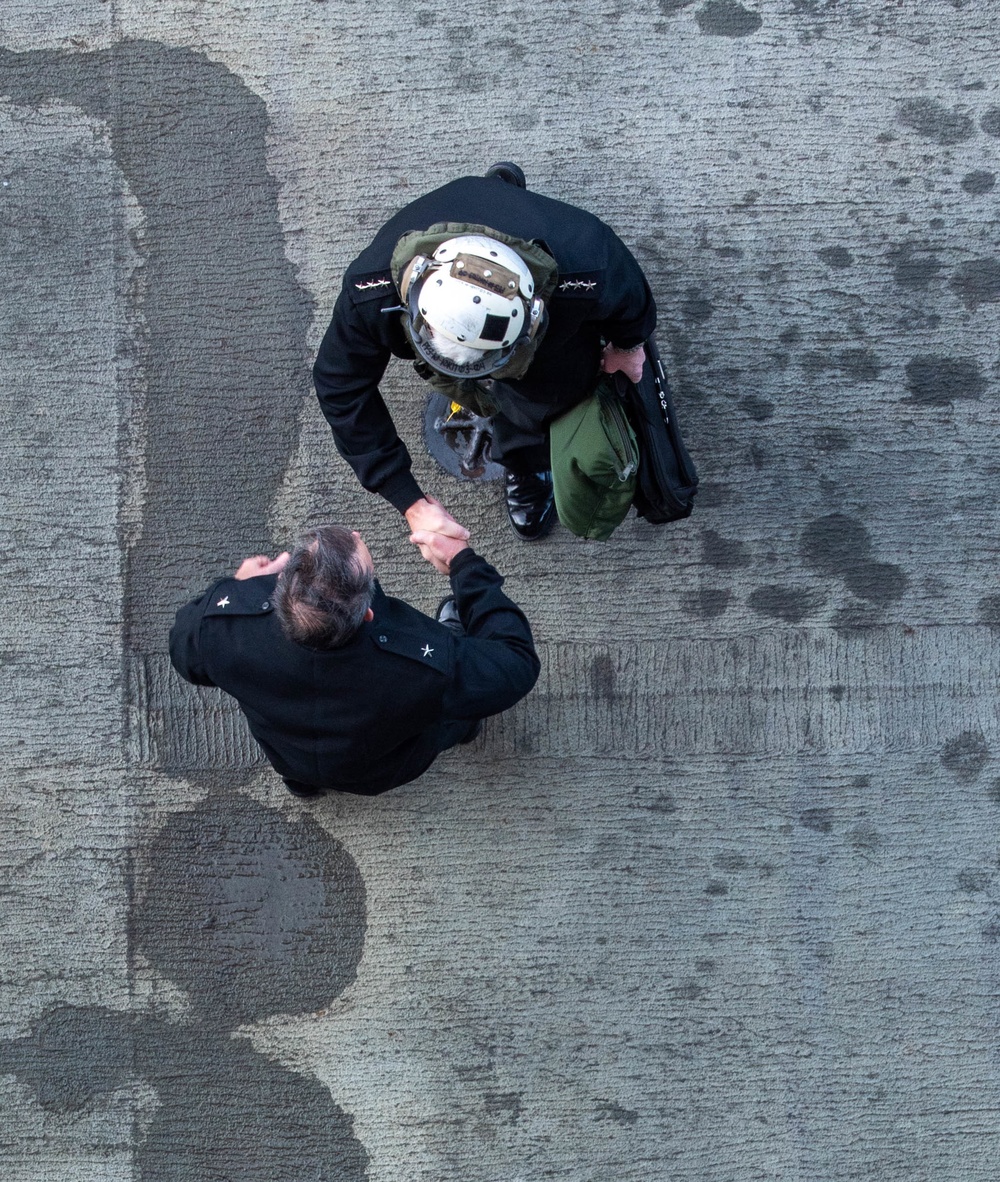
[{"x": 521, "y": 428}]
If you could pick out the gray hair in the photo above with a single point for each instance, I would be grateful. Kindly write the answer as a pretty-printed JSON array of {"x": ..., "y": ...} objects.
[{"x": 324, "y": 591}]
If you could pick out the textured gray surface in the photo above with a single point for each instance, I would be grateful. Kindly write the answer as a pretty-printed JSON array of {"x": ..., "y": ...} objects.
[{"x": 719, "y": 902}]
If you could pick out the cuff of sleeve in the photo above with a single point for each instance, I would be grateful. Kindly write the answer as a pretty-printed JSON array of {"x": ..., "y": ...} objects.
[
  {"x": 462, "y": 559},
  {"x": 628, "y": 348},
  {"x": 401, "y": 491}
]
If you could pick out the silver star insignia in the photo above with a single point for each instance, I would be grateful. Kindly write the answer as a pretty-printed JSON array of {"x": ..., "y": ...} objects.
[
  {"x": 427, "y": 650},
  {"x": 224, "y": 602}
]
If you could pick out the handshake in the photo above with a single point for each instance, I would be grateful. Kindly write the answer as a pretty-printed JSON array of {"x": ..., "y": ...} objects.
[{"x": 435, "y": 532}]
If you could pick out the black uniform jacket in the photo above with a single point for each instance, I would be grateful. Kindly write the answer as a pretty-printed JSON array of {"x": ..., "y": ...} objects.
[
  {"x": 367, "y": 716},
  {"x": 601, "y": 293}
]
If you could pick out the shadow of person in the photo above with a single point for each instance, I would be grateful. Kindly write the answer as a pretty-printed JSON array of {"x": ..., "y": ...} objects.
[{"x": 252, "y": 915}]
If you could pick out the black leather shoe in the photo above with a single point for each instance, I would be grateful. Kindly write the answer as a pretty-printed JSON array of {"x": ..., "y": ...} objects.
[
  {"x": 507, "y": 170},
  {"x": 297, "y": 788},
  {"x": 447, "y": 614},
  {"x": 531, "y": 505}
]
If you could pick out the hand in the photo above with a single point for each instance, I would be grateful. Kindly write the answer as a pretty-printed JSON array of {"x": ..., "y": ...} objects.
[
  {"x": 251, "y": 568},
  {"x": 438, "y": 549},
  {"x": 630, "y": 364},
  {"x": 429, "y": 516}
]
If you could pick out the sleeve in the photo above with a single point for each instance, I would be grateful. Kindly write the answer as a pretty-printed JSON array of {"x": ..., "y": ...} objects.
[
  {"x": 185, "y": 640},
  {"x": 496, "y": 664},
  {"x": 627, "y": 312},
  {"x": 348, "y": 369}
]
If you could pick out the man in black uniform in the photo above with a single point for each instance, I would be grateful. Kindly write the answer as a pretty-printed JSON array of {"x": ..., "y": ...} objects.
[
  {"x": 503, "y": 298},
  {"x": 345, "y": 688}
]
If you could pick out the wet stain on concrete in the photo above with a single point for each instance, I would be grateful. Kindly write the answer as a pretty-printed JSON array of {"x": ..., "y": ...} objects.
[
  {"x": 696, "y": 307},
  {"x": 616, "y": 1113},
  {"x": 223, "y": 1110},
  {"x": 731, "y": 862},
  {"x": 966, "y": 755},
  {"x": 833, "y": 439},
  {"x": 974, "y": 880},
  {"x": 690, "y": 992},
  {"x": 603, "y": 679},
  {"x": 791, "y": 335},
  {"x": 864, "y": 837},
  {"x": 989, "y": 610},
  {"x": 934, "y": 380},
  {"x": 978, "y": 282},
  {"x": 979, "y": 182},
  {"x": 664, "y": 803},
  {"x": 791, "y": 604},
  {"x": 990, "y": 122},
  {"x": 758, "y": 409},
  {"x": 878, "y": 582},
  {"x": 841, "y": 546},
  {"x": 819, "y": 820},
  {"x": 706, "y": 603},
  {"x": 934, "y": 121},
  {"x": 838, "y": 692},
  {"x": 723, "y": 553},
  {"x": 834, "y": 544},
  {"x": 913, "y": 266},
  {"x": 716, "y": 887},
  {"x": 504, "y": 1104},
  {"x": 837, "y": 257},
  {"x": 226, "y": 318},
  {"x": 727, "y": 18},
  {"x": 669, "y": 7},
  {"x": 252, "y": 914},
  {"x": 993, "y": 792}
]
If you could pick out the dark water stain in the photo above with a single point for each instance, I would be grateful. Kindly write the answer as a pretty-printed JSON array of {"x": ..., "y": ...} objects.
[
  {"x": 705, "y": 966},
  {"x": 819, "y": 820},
  {"x": 991, "y": 932},
  {"x": 877, "y": 582},
  {"x": 835, "y": 544},
  {"x": 758, "y": 409},
  {"x": 505, "y": 1104},
  {"x": 730, "y": 862},
  {"x": 791, "y": 604},
  {"x": 864, "y": 837},
  {"x": 966, "y": 755},
  {"x": 663, "y": 802},
  {"x": 837, "y": 257},
  {"x": 861, "y": 782},
  {"x": 696, "y": 307},
  {"x": 716, "y": 887},
  {"x": 727, "y": 18},
  {"x": 837, "y": 692},
  {"x": 979, "y": 181},
  {"x": 723, "y": 553},
  {"x": 990, "y": 122},
  {"x": 706, "y": 603},
  {"x": 669, "y": 7},
  {"x": 934, "y": 380},
  {"x": 934, "y": 121},
  {"x": 974, "y": 880},
  {"x": 690, "y": 992},
  {"x": 226, "y": 319},
  {"x": 993, "y": 792},
  {"x": 978, "y": 282},
  {"x": 603, "y": 679},
  {"x": 791, "y": 335},
  {"x": 613, "y": 1111},
  {"x": 250, "y": 913},
  {"x": 989, "y": 610},
  {"x": 832, "y": 439},
  {"x": 913, "y": 266},
  {"x": 223, "y": 1110}
]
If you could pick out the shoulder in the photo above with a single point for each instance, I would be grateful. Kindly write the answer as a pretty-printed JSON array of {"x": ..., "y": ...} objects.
[
  {"x": 403, "y": 631},
  {"x": 241, "y": 597}
]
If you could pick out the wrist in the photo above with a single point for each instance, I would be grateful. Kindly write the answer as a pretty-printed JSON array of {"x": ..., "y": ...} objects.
[{"x": 626, "y": 351}]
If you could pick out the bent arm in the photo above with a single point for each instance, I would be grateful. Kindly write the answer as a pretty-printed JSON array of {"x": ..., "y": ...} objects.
[
  {"x": 627, "y": 313},
  {"x": 185, "y": 649},
  {"x": 496, "y": 664},
  {"x": 348, "y": 369}
]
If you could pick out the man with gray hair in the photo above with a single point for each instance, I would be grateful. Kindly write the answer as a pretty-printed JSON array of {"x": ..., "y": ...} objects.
[{"x": 345, "y": 688}]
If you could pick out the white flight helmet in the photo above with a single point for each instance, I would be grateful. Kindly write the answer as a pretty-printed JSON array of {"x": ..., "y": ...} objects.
[{"x": 475, "y": 292}]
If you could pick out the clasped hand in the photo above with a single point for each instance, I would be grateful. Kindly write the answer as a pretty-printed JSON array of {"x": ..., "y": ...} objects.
[{"x": 437, "y": 534}]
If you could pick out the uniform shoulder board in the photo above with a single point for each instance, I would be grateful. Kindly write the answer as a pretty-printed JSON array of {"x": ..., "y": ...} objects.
[
  {"x": 429, "y": 648},
  {"x": 581, "y": 285},
  {"x": 371, "y": 286},
  {"x": 241, "y": 597}
]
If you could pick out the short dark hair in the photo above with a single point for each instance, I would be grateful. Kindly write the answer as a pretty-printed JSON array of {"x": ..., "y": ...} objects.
[{"x": 324, "y": 591}]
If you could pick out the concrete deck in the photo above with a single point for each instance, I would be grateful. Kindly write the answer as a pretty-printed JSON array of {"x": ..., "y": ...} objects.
[{"x": 721, "y": 900}]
